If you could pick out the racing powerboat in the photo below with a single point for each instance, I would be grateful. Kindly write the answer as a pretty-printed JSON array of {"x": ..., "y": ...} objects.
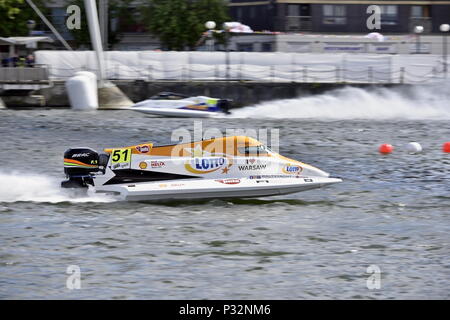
[
  {"x": 169, "y": 104},
  {"x": 225, "y": 167}
]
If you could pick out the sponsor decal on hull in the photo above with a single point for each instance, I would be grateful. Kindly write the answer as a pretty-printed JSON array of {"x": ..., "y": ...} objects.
[
  {"x": 143, "y": 165},
  {"x": 229, "y": 181},
  {"x": 253, "y": 161},
  {"x": 206, "y": 165},
  {"x": 272, "y": 176},
  {"x": 118, "y": 166},
  {"x": 252, "y": 167},
  {"x": 143, "y": 148},
  {"x": 204, "y": 162},
  {"x": 177, "y": 184},
  {"x": 292, "y": 169},
  {"x": 157, "y": 164}
]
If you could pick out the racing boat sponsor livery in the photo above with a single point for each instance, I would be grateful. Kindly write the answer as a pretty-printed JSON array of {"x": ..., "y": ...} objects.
[
  {"x": 157, "y": 164},
  {"x": 292, "y": 169},
  {"x": 206, "y": 165},
  {"x": 229, "y": 181},
  {"x": 252, "y": 167},
  {"x": 227, "y": 167},
  {"x": 143, "y": 148}
]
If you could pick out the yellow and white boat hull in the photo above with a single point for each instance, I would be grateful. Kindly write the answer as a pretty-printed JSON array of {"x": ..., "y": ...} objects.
[{"x": 226, "y": 167}]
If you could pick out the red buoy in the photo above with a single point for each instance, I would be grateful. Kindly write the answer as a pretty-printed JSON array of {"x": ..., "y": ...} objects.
[
  {"x": 386, "y": 148},
  {"x": 446, "y": 147}
]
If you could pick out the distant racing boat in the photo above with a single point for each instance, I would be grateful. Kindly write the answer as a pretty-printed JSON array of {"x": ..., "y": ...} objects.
[{"x": 169, "y": 104}]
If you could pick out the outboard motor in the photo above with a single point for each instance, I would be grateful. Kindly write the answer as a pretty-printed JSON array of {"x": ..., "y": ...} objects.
[
  {"x": 224, "y": 105},
  {"x": 80, "y": 164}
]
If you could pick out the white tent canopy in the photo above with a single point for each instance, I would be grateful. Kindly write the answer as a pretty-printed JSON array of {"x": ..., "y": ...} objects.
[
  {"x": 30, "y": 42},
  {"x": 23, "y": 40}
]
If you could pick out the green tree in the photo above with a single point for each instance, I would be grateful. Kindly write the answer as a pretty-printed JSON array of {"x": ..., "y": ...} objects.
[
  {"x": 14, "y": 15},
  {"x": 179, "y": 24}
]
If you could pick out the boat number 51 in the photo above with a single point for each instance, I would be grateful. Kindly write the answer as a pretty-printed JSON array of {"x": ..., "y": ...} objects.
[{"x": 121, "y": 155}]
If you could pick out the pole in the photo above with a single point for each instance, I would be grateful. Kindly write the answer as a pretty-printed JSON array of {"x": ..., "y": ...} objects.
[
  {"x": 103, "y": 16},
  {"x": 210, "y": 41},
  {"x": 418, "y": 44},
  {"x": 402, "y": 75},
  {"x": 227, "y": 49},
  {"x": 12, "y": 54},
  {"x": 96, "y": 38},
  {"x": 444, "y": 52}
]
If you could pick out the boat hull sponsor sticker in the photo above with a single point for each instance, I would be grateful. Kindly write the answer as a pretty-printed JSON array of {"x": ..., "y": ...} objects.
[
  {"x": 143, "y": 165},
  {"x": 229, "y": 181},
  {"x": 292, "y": 169},
  {"x": 143, "y": 149},
  {"x": 157, "y": 164},
  {"x": 206, "y": 165},
  {"x": 252, "y": 167},
  {"x": 253, "y": 161}
]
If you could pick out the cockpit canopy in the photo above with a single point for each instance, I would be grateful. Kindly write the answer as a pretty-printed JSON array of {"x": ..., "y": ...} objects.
[
  {"x": 260, "y": 150},
  {"x": 169, "y": 96}
]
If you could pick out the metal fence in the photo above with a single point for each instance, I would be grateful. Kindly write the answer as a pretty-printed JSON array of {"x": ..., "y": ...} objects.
[{"x": 36, "y": 74}]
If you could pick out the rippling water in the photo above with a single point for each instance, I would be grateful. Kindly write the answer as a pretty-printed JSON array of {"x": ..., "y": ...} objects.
[{"x": 391, "y": 211}]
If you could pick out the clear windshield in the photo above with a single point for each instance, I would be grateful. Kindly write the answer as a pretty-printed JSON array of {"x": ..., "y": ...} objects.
[
  {"x": 168, "y": 96},
  {"x": 255, "y": 150}
]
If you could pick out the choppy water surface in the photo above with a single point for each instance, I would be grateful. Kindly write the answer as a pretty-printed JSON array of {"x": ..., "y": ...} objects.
[{"x": 391, "y": 211}]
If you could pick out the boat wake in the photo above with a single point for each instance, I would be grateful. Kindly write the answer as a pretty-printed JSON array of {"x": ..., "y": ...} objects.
[
  {"x": 415, "y": 103},
  {"x": 19, "y": 187}
]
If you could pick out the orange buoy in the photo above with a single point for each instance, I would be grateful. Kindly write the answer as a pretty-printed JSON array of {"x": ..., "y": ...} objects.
[
  {"x": 386, "y": 148},
  {"x": 446, "y": 147}
]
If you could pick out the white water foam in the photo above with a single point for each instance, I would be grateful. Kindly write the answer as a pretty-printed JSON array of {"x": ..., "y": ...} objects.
[
  {"x": 15, "y": 187},
  {"x": 417, "y": 103}
]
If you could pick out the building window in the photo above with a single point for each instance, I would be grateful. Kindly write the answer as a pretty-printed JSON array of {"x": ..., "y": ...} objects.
[
  {"x": 416, "y": 11},
  {"x": 334, "y": 14},
  {"x": 246, "y": 47},
  {"x": 305, "y": 10},
  {"x": 420, "y": 11},
  {"x": 293, "y": 10},
  {"x": 389, "y": 15}
]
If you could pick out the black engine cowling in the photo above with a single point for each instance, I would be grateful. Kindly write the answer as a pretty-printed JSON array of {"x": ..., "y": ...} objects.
[
  {"x": 224, "y": 105},
  {"x": 80, "y": 164},
  {"x": 79, "y": 161}
]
